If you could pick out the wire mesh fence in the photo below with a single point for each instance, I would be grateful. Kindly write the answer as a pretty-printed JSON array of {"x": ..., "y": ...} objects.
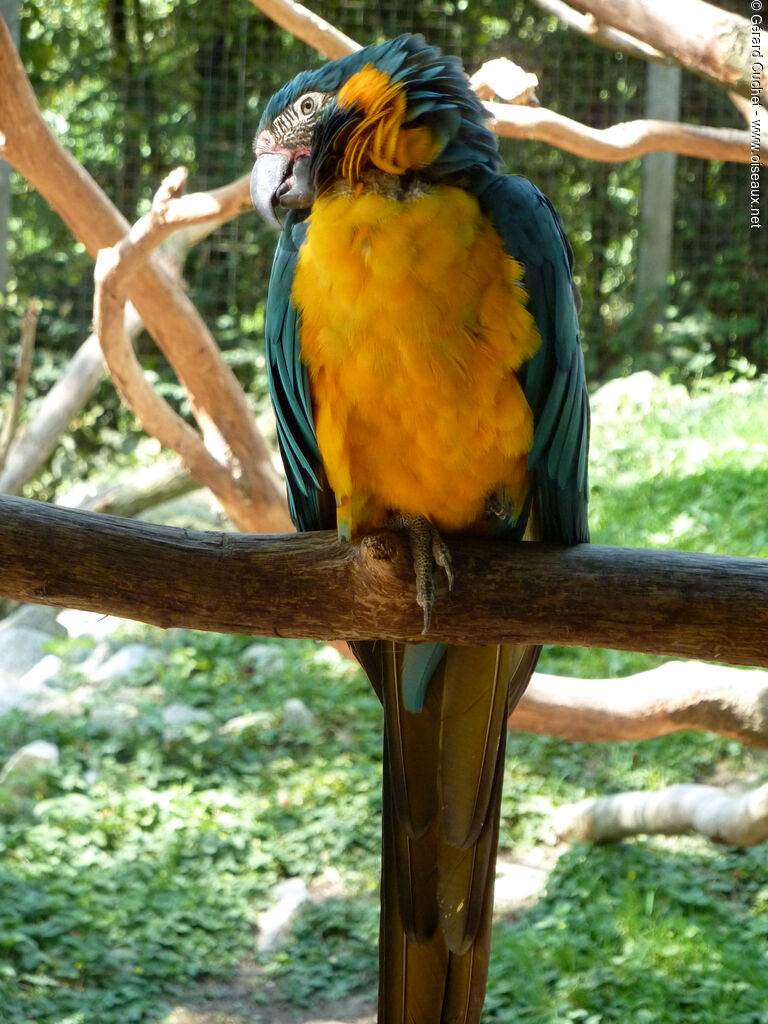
[{"x": 135, "y": 87}]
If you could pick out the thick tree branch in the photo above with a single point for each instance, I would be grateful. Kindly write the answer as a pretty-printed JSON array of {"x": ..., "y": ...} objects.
[
  {"x": 740, "y": 820},
  {"x": 673, "y": 697},
  {"x": 704, "y": 38},
  {"x": 312, "y": 585},
  {"x": 172, "y": 320},
  {"x": 603, "y": 35},
  {"x": 115, "y": 269},
  {"x": 620, "y": 141},
  {"x": 309, "y": 27}
]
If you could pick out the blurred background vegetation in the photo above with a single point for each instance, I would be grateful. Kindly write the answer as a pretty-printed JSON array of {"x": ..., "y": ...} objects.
[{"x": 134, "y": 88}]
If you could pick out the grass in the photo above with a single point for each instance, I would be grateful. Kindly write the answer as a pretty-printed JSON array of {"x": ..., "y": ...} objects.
[{"x": 138, "y": 867}]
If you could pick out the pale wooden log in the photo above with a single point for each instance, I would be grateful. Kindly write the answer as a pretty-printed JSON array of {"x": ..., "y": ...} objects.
[
  {"x": 603, "y": 35},
  {"x": 736, "y": 820},
  {"x": 704, "y": 38},
  {"x": 620, "y": 141},
  {"x": 309, "y": 27},
  {"x": 312, "y": 585},
  {"x": 671, "y": 698},
  {"x": 172, "y": 320},
  {"x": 51, "y": 416}
]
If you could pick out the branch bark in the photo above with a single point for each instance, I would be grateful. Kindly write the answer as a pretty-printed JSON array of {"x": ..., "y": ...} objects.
[
  {"x": 603, "y": 35},
  {"x": 620, "y": 141},
  {"x": 740, "y": 820},
  {"x": 53, "y": 414},
  {"x": 673, "y": 697},
  {"x": 172, "y": 320},
  {"x": 704, "y": 38},
  {"x": 311, "y": 585}
]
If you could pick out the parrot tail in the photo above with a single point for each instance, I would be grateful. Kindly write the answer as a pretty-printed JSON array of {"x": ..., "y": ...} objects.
[{"x": 443, "y": 772}]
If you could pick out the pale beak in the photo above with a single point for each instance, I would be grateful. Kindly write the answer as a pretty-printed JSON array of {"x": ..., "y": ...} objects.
[{"x": 280, "y": 179}]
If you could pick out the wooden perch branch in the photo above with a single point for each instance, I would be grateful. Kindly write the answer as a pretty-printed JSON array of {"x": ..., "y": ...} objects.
[
  {"x": 614, "y": 144},
  {"x": 115, "y": 268},
  {"x": 170, "y": 317},
  {"x": 312, "y": 585},
  {"x": 704, "y": 38},
  {"x": 620, "y": 141},
  {"x": 740, "y": 820},
  {"x": 675, "y": 696},
  {"x": 603, "y": 35}
]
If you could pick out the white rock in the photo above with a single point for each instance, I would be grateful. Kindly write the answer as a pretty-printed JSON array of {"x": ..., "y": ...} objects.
[
  {"x": 20, "y": 650},
  {"x": 177, "y": 716},
  {"x": 115, "y": 718},
  {"x": 28, "y": 762},
  {"x": 296, "y": 715},
  {"x": 264, "y": 659},
  {"x": 275, "y": 922},
  {"x": 123, "y": 662},
  {"x": 35, "y": 616}
]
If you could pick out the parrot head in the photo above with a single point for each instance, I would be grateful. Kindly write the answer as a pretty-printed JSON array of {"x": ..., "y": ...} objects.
[{"x": 384, "y": 113}]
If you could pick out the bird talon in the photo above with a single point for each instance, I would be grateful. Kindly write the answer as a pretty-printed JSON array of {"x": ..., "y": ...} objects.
[{"x": 427, "y": 549}]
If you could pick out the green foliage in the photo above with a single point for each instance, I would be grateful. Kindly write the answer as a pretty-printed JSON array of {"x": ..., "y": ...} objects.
[{"x": 137, "y": 868}]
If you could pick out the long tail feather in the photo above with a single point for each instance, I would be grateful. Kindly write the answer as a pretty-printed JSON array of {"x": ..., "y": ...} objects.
[{"x": 443, "y": 772}]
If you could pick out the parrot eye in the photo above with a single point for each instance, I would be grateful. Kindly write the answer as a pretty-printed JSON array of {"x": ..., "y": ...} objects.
[{"x": 308, "y": 104}]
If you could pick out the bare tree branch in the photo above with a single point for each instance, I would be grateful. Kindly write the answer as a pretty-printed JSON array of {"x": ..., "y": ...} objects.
[
  {"x": 704, "y": 38},
  {"x": 620, "y": 141},
  {"x": 309, "y": 27},
  {"x": 673, "y": 697},
  {"x": 172, "y": 320},
  {"x": 740, "y": 820},
  {"x": 52, "y": 415},
  {"x": 21, "y": 379},
  {"x": 313, "y": 585},
  {"x": 603, "y": 35}
]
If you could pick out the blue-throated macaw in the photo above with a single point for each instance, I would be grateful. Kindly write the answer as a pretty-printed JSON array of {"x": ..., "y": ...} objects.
[{"x": 426, "y": 374}]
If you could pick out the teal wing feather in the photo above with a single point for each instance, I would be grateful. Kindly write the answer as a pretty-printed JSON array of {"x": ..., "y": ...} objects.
[
  {"x": 309, "y": 498},
  {"x": 553, "y": 380}
]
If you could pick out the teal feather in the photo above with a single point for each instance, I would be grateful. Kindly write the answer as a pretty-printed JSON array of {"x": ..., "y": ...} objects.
[{"x": 420, "y": 662}]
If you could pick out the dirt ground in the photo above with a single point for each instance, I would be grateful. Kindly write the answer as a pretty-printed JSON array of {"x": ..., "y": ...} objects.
[{"x": 234, "y": 1002}]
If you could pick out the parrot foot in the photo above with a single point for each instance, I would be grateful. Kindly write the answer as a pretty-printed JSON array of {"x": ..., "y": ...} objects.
[{"x": 427, "y": 549}]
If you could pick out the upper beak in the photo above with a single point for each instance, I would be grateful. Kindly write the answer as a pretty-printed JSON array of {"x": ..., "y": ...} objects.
[{"x": 279, "y": 178}]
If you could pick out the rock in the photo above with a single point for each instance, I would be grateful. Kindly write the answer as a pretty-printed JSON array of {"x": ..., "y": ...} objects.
[
  {"x": 35, "y": 616},
  {"x": 20, "y": 650},
  {"x": 34, "y": 689},
  {"x": 176, "y": 717},
  {"x": 264, "y": 659},
  {"x": 116, "y": 718},
  {"x": 250, "y": 720},
  {"x": 123, "y": 662},
  {"x": 518, "y": 885},
  {"x": 296, "y": 715},
  {"x": 29, "y": 762},
  {"x": 275, "y": 922},
  {"x": 92, "y": 624}
]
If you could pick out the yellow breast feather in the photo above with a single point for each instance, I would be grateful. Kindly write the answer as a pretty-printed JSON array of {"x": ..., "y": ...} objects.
[{"x": 413, "y": 323}]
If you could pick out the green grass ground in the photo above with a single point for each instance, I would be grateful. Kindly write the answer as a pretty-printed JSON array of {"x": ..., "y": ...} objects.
[{"x": 134, "y": 873}]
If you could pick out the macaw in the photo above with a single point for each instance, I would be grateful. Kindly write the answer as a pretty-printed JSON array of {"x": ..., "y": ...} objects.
[{"x": 426, "y": 374}]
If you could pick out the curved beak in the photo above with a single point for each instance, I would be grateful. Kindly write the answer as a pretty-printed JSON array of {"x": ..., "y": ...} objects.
[{"x": 281, "y": 179}]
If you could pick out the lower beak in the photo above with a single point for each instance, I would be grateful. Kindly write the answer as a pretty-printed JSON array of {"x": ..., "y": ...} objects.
[{"x": 278, "y": 178}]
